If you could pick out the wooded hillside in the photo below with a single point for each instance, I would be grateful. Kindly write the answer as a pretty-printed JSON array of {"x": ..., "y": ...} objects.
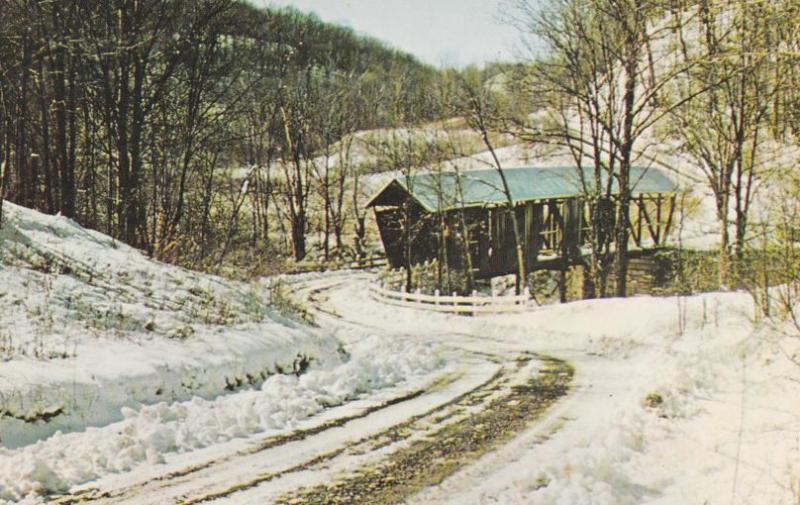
[{"x": 132, "y": 116}]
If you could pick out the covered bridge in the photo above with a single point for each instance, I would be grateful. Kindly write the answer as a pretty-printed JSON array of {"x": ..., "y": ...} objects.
[{"x": 445, "y": 215}]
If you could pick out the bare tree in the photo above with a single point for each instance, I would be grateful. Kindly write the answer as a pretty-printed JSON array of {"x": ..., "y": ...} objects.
[
  {"x": 333, "y": 126},
  {"x": 483, "y": 111},
  {"x": 724, "y": 129},
  {"x": 4, "y": 137},
  {"x": 297, "y": 162},
  {"x": 136, "y": 116},
  {"x": 607, "y": 84}
]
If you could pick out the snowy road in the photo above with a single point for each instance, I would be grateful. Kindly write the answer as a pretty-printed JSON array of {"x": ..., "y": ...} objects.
[
  {"x": 700, "y": 358},
  {"x": 602, "y": 402},
  {"x": 377, "y": 450}
]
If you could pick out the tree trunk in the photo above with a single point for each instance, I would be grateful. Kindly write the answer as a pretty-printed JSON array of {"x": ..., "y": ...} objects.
[
  {"x": 724, "y": 259},
  {"x": 21, "y": 150},
  {"x": 623, "y": 216},
  {"x": 58, "y": 74},
  {"x": 45, "y": 147}
]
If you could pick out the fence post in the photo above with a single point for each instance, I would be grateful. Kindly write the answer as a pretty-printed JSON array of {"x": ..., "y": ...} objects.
[{"x": 436, "y": 295}]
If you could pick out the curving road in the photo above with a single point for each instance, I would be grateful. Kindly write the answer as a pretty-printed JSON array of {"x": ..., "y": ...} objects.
[{"x": 384, "y": 450}]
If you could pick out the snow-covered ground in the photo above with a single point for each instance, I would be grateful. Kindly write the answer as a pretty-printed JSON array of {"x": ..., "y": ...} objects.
[
  {"x": 89, "y": 325},
  {"x": 109, "y": 360},
  {"x": 118, "y": 370},
  {"x": 679, "y": 400}
]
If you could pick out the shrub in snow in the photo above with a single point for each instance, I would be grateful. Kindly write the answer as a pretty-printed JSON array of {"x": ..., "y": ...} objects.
[{"x": 653, "y": 400}]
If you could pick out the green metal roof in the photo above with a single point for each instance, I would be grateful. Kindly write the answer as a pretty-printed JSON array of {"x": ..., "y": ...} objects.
[{"x": 485, "y": 187}]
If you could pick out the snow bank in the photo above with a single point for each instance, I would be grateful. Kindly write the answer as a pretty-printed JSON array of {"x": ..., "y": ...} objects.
[
  {"x": 89, "y": 325},
  {"x": 148, "y": 433}
]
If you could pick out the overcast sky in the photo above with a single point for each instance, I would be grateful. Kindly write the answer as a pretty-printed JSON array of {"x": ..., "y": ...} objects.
[{"x": 439, "y": 32}]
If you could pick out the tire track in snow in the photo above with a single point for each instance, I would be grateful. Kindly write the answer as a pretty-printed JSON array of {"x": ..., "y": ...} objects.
[
  {"x": 278, "y": 467},
  {"x": 389, "y": 463},
  {"x": 266, "y": 444},
  {"x": 443, "y": 443},
  {"x": 176, "y": 483},
  {"x": 371, "y": 442}
]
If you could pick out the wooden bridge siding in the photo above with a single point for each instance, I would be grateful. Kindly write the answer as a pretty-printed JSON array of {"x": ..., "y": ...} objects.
[
  {"x": 390, "y": 230},
  {"x": 532, "y": 239},
  {"x": 423, "y": 232},
  {"x": 501, "y": 254},
  {"x": 492, "y": 234},
  {"x": 573, "y": 227},
  {"x": 652, "y": 214},
  {"x": 496, "y": 244}
]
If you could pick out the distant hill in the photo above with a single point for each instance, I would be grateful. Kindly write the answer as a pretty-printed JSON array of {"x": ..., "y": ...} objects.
[{"x": 300, "y": 40}]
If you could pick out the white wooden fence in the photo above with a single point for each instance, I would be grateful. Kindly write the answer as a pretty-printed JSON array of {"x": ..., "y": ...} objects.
[{"x": 453, "y": 304}]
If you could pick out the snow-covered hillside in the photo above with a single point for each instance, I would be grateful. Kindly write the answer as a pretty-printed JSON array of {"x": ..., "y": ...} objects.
[
  {"x": 89, "y": 325},
  {"x": 109, "y": 360}
]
